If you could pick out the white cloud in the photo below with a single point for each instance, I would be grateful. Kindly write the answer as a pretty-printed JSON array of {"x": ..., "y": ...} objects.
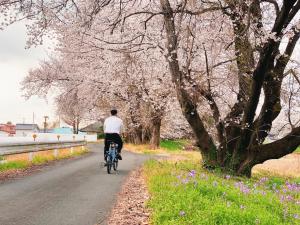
[{"x": 15, "y": 61}]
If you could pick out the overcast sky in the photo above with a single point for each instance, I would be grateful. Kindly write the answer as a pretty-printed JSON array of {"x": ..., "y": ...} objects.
[{"x": 15, "y": 61}]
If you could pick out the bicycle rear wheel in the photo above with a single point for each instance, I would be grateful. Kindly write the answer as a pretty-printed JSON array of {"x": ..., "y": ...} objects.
[{"x": 109, "y": 165}]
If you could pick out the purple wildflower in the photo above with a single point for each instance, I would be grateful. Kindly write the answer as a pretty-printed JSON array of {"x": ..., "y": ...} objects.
[
  {"x": 296, "y": 216},
  {"x": 281, "y": 197},
  {"x": 182, "y": 213},
  {"x": 227, "y": 177},
  {"x": 192, "y": 173},
  {"x": 289, "y": 198},
  {"x": 185, "y": 181},
  {"x": 292, "y": 187},
  {"x": 242, "y": 207},
  {"x": 243, "y": 188},
  {"x": 263, "y": 180},
  {"x": 263, "y": 193}
]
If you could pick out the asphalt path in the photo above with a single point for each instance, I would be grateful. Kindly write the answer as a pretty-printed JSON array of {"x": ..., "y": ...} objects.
[{"x": 72, "y": 192}]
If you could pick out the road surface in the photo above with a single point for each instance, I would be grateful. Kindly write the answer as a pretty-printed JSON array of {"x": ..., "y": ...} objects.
[{"x": 75, "y": 192}]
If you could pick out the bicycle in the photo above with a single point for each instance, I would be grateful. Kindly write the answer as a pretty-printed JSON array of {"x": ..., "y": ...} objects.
[{"x": 111, "y": 157}]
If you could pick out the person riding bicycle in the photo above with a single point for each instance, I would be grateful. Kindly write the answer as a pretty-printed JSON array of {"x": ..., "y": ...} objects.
[{"x": 113, "y": 127}]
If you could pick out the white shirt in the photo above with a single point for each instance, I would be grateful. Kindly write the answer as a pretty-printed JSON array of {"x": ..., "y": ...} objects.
[{"x": 113, "y": 124}]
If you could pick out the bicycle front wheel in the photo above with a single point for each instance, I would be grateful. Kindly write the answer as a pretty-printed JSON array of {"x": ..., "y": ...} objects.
[{"x": 115, "y": 165}]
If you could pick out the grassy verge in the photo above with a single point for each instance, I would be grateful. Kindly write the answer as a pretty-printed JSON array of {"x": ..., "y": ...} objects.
[
  {"x": 37, "y": 160},
  {"x": 14, "y": 165},
  {"x": 166, "y": 146},
  {"x": 183, "y": 193},
  {"x": 174, "y": 145},
  {"x": 297, "y": 150},
  {"x": 175, "y": 150}
]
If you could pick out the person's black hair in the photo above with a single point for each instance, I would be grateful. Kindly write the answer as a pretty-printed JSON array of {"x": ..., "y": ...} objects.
[{"x": 114, "y": 112}]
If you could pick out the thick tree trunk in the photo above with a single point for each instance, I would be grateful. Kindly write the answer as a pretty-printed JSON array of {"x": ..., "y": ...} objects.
[
  {"x": 77, "y": 126},
  {"x": 74, "y": 127},
  {"x": 155, "y": 133},
  {"x": 146, "y": 137},
  {"x": 135, "y": 136},
  {"x": 138, "y": 135}
]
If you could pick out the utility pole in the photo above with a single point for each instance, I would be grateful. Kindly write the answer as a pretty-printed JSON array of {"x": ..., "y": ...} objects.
[
  {"x": 33, "y": 118},
  {"x": 45, "y": 123}
]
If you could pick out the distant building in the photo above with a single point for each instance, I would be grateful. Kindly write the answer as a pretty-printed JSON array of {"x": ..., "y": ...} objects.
[
  {"x": 23, "y": 130},
  {"x": 7, "y": 129},
  {"x": 94, "y": 128}
]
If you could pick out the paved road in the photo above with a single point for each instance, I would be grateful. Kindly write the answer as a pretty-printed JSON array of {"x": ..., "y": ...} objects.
[{"x": 77, "y": 192}]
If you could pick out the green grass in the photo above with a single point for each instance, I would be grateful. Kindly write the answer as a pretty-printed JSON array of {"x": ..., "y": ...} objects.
[
  {"x": 297, "y": 150},
  {"x": 37, "y": 160},
  {"x": 14, "y": 165},
  {"x": 173, "y": 145},
  {"x": 182, "y": 197}
]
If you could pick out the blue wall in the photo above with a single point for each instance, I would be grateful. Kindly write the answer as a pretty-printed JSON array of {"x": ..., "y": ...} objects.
[{"x": 65, "y": 130}]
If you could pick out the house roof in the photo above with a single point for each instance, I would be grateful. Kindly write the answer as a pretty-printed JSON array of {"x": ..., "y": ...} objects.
[
  {"x": 8, "y": 128},
  {"x": 96, "y": 127},
  {"x": 23, "y": 126}
]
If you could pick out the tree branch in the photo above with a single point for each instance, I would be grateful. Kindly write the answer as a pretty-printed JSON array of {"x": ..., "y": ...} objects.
[{"x": 279, "y": 148}]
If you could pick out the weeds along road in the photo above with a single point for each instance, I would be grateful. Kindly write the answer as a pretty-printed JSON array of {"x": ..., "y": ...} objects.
[{"x": 75, "y": 192}]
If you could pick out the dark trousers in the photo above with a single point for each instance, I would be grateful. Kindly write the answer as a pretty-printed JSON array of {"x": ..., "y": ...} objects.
[{"x": 114, "y": 137}]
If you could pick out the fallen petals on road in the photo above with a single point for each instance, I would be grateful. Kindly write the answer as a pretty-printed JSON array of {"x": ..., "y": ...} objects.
[{"x": 130, "y": 208}]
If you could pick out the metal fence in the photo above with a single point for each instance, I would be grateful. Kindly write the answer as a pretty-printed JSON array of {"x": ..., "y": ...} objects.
[{"x": 19, "y": 148}]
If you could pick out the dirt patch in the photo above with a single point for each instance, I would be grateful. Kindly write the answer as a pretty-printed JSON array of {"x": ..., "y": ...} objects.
[
  {"x": 130, "y": 208},
  {"x": 288, "y": 165}
]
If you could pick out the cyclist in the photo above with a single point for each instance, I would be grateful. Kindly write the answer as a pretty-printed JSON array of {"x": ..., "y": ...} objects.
[{"x": 113, "y": 127}]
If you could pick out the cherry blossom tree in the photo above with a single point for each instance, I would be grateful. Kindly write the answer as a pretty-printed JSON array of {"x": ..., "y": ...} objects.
[
  {"x": 229, "y": 63},
  {"x": 137, "y": 86},
  {"x": 71, "y": 109},
  {"x": 260, "y": 68}
]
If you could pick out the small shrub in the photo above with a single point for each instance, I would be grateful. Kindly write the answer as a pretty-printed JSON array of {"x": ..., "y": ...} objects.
[
  {"x": 38, "y": 160},
  {"x": 100, "y": 136},
  {"x": 14, "y": 165}
]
